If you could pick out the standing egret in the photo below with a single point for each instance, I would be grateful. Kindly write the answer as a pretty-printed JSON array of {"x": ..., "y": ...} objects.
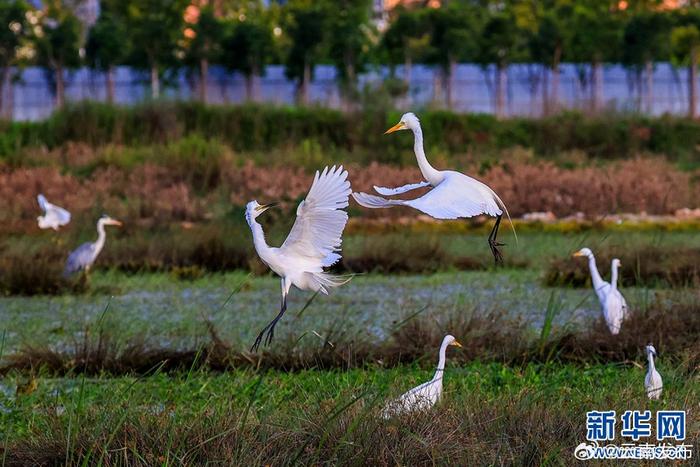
[
  {"x": 427, "y": 394},
  {"x": 312, "y": 244},
  {"x": 454, "y": 195},
  {"x": 82, "y": 258},
  {"x": 611, "y": 300},
  {"x": 652, "y": 383},
  {"x": 54, "y": 216}
]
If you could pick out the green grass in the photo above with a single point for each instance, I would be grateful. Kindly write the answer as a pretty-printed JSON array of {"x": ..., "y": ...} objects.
[{"x": 489, "y": 411}]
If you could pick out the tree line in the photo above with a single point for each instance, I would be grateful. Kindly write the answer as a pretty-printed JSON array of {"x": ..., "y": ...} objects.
[{"x": 161, "y": 37}]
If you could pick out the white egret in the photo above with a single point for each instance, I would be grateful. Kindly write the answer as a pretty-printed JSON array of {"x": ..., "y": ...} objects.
[
  {"x": 312, "y": 244},
  {"x": 612, "y": 302},
  {"x": 54, "y": 216},
  {"x": 427, "y": 394},
  {"x": 83, "y": 257},
  {"x": 652, "y": 383},
  {"x": 454, "y": 195}
]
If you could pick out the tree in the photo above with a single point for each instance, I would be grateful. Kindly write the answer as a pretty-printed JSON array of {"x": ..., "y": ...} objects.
[
  {"x": 156, "y": 30},
  {"x": 107, "y": 46},
  {"x": 547, "y": 45},
  {"x": 12, "y": 36},
  {"x": 596, "y": 38},
  {"x": 407, "y": 40},
  {"x": 349, "y": 39},
  {"x": 646, "y": 39},
  {"x": 499, "y": 45},
  {"x": 248, "y": 47},
  {"x": 204, "y": 46},
  {"x": 454, "y": 37},
  {"x": 685, "y": 46},
  {"x": 58, "y": 41},
  {"x": 306, "y": 27}
]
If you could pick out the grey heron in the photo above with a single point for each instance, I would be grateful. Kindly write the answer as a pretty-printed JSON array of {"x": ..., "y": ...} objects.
[
  {"x": 312, "y": 244},
  {"x": 54, "y": 216},
  {"x": 83, "y": 257}
]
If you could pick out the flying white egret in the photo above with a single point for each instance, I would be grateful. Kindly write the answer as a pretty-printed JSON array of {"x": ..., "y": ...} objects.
[
  {"x": 454, "y": 195},
  {"x": 85, "y": 255},
  {"x": 54, "y": 216},
  {"x": 427, "y": 394},
  {"x": 652, "y": 383},
  {"x": 611, "y": 300},
  {"x": 312, "y": 244}
]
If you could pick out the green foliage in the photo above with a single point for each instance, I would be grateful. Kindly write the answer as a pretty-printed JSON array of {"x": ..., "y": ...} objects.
[
  {"x": 349, "y": 37},
  {"x": 58, "y": 40},
  {"x": 646, "y": 39},
  {"x": 107, "y": 43},
  {"x": 248, "y": 47},
  {"x": 155, "y": 27},
  {"x": 307, "y": 32},
  {"x": 13, "y": 31},
  {"x": 207, "y": 41},
  {"x": 262, "y": 127}
]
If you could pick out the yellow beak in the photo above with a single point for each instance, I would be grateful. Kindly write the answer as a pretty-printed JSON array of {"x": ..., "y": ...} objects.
[
  {"x": 397, "y": 127},
  {"x": 265, "y": 207},
  {"x": 118, "y": 223},
  {"x": 578, "y": 253},
  {"x": 456, "y": 343}
]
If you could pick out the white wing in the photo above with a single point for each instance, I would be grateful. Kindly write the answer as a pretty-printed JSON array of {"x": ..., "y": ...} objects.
[
  {"x": 317, "y": 231},
  {"x": 456, "y": 196},
  {"x": 61, "y": 214},
  {"x": 402, "y": 189},
  {"x": 419, "y": 398}
]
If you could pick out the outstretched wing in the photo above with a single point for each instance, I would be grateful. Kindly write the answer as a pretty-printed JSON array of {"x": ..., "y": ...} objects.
[
  {"x": 62, "y": 215},
  {"x": 317, "y": 231},
  {"x": 455, "y": 197},
  {"x": 402, "y": 189}
]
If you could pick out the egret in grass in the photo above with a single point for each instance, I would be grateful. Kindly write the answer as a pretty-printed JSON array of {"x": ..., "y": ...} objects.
[
  {"x": 312, "y": 244},
  {"x": 54, "y": 216},
  {"x": 83, "y": 257},
  {"x": 652, "y": 383},
  {"x": 427, "y": 394},
  {"x": 453, "y": 194},
  {"x": 611, "y": 300}
]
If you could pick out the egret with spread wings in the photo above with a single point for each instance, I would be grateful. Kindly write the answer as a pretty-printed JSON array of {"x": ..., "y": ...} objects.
[
  {"x": 54, "y": 216},
  {"x": 453, "y": 194},
  {"x": 83, "y": 257},
  {"x": 313, "y": 243}
]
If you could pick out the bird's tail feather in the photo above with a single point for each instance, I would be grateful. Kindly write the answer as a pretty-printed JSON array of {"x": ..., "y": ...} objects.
[{"x": 326, "y": 280}]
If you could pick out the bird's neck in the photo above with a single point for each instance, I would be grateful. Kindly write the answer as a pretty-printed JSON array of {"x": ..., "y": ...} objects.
[
  {"x": 259, "y": 242},
  {"x": 441, "y": 363},
  {"x": 613, "y": 277},
  {"x": 101, "y": 236},
  {"x": 432, "y": 175},
  {"x": 595, "y": 275},
  {"x": 652, "y": 367}
]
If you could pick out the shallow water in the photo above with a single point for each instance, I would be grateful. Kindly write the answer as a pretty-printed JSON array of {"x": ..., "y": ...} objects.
[{"x": 173, "y": 314}]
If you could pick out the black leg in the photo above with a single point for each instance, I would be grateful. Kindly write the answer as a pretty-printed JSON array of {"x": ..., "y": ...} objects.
[
  {"x": 493, "y": 244},
  {"x": 270, "y": 328}
]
